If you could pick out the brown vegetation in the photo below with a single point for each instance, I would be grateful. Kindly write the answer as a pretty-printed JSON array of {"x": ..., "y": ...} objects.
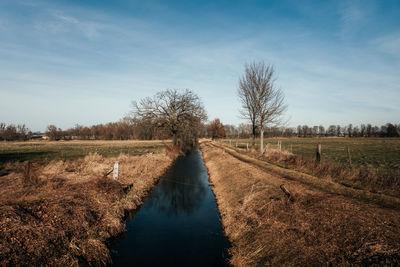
[
  {"x": 374, "y": 180},
  {"x": 328, "y": 185},
  {"x": 217, "y": 129},
  {"x": 318, "y": 228},
  {"x": 63, "y": 213},
  {"x": 386, "y": 181}
]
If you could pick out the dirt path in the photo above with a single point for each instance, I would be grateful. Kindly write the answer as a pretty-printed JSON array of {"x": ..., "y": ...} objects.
[{"x": 318, "y": 228}]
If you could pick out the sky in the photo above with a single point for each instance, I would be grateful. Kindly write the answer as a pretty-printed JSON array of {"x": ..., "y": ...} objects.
[{"x": 83, "y": 62}]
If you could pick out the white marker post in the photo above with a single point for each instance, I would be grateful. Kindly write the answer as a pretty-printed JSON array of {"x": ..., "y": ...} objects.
[{"x": 116, "y": 165}]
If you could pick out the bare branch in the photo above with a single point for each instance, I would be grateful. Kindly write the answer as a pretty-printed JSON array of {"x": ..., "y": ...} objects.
[{"x": 179, "y": 112}]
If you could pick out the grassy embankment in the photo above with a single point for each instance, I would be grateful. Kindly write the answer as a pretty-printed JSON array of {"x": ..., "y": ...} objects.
[
  {"x": 375, "y": 162},
  {"x": 324, "y": 225},
  {"x": 63, "y": 212}
]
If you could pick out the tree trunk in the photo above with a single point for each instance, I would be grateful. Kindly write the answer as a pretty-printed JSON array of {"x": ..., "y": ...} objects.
[
  {"x": 261, "y": 139},
  {"x": 254, "y": 137}
]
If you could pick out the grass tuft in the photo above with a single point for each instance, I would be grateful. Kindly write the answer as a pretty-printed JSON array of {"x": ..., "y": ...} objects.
[{"x": 29, "y": 174}]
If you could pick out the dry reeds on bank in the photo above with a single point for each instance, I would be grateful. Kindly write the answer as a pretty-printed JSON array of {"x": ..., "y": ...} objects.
[
  {"x": 62, "y": 213},
  {"x": 366, "y": 177},
  {"x": 317, "y": 229}
]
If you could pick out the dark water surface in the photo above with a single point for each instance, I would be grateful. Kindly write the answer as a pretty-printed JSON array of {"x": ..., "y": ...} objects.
[{"x": 178, "y": 225}]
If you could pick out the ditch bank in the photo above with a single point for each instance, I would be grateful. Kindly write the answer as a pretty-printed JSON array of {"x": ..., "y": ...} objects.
[
  {"x": 64, "y": 212},
  {"x": 317, "y": 228}
]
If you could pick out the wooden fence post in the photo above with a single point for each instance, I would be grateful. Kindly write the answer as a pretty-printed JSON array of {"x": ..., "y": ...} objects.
[
  {"x": 318, "y": 153},
  {"x": 116, "y": 166},
  {"x": 349, "y": 156},
  {"x": 266, "y": 148}
]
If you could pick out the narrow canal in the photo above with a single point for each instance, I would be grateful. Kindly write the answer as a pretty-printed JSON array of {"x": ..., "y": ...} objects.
[{"x": 178, "y": 225}]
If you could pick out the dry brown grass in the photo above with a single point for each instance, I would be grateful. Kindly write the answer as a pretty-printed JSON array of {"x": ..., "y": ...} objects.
[
  {"x": 318, "y": 228},
  {"x": 330, "y": 185},
  {"x": 375, "y": 180},
  {"x": 63, "y": 213},
  {"x": 386, "y": 181}
]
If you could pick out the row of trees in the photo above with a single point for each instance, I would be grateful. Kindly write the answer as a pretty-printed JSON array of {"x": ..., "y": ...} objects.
[
  {"x": 125, "y": 129},
  {"x": 13, "y": 132},
  {"x": 133, "y": 128},
  {"x": 363, "y": 130}
]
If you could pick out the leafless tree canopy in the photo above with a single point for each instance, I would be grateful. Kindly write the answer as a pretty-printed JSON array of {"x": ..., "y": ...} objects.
[
  {"x": 249, "y": 104},
  {"x": 262, "y": 102},
  {"x": 217, "y": 129},
  {"x": 179, "y": 113}
]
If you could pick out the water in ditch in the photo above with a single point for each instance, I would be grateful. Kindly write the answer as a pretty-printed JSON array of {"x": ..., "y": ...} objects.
[{"x": 178, "y": 225}]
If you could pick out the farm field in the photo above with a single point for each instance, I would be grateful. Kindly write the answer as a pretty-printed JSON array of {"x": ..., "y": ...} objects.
[
  {"x": 37, "y": 151},
  {"x": 373, "y": 152}
]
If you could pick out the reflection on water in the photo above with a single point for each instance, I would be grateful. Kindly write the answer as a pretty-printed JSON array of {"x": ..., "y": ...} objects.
[{"x": 178, "y": 225}]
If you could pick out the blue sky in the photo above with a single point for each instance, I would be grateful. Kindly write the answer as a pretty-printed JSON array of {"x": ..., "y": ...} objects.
[{"x": 69, "y": 62}]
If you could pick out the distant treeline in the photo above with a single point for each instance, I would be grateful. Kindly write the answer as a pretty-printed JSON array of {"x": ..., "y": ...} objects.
[
  {"x": 364, "y": 130},
  {"x": 132, "y": 128},
  {"x": 13, "y": 132},
  {"x": 125, "y": 129}
]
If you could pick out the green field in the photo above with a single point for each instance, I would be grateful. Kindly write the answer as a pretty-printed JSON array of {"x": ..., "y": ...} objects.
[
  {"x": 63, "y": 150},
  {"x": 373, "y": 152}
]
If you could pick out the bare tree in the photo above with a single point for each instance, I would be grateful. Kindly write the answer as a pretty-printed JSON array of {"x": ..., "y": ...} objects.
[
  {"x": 245, "y": 130},
  {"x": 369, "y": 129},
  {"x": 338, "y": 130},
  {"x": 314, "y": 131},
  {"x": 362, "y": 130},
  {"x": 217, "y": 129},
  {"x": 259, "y": 94},
  {"x": 179, "y": 113},
  {"x": 299, "y": 131},
  {"x": 248, "y": 99},
  {"x": 306, "y": 130},
  {"x": 350, "y": 130},
  {"x": 321, "y": 130},
  {"x": 52, "y": 132}
]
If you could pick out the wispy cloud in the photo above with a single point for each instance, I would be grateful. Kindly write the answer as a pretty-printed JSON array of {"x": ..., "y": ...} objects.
[
  {"x": 389, "y": 44},
  {"x": 354, "y": 15},
  {"x": 66, "y": 18},
  {"x": 57, "y": 22}
]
